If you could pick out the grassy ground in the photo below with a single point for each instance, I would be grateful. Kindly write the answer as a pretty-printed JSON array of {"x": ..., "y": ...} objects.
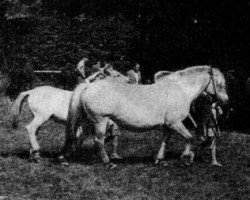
[{"x": 136, "y": 177}]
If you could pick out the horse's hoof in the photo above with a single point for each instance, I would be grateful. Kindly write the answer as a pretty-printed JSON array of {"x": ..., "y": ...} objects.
[
  {"x": 63, "y": 161},
  {"x": 186, "y": 164},
  {"x": 186, "y": 161},
  {"x": 35, "y": 156},
  {"x": 157, "y": 161},
  {"x": 116, "y": 156},
  {"x": 111, "y": 166},
  {"x": 35, "y": 160},
  {"x": 216, "y": 164},
  {"x": 161, "y": 162}
]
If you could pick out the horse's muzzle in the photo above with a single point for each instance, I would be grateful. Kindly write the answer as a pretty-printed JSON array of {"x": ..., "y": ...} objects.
[{"x": 224, "y": 99}]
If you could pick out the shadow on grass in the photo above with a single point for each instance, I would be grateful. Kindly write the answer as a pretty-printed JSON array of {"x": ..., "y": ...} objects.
[
  {"x": 90, "y": 156},
  {"x": 145, "y": 159},
  {"x": 25, "y": 154}
]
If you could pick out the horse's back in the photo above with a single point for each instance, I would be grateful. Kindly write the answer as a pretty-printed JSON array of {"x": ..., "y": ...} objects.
[
  {"x": 140, "y": 105},
  {"x": 49, "y": 101}
]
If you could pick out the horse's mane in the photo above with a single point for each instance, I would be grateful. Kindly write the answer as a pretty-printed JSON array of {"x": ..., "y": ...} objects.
[
  {"x": 193, "y": 70},
  {"x": 161, "y": 75}
]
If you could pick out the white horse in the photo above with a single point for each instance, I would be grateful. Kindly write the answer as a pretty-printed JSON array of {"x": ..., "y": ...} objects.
[
  {"x": 158, "y": 76},
  {"x": 140, "y": 107},
  {"x": 47, "y": 102}
]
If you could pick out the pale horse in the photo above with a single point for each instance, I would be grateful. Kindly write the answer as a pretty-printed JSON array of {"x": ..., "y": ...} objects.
[
  {"x": 158, "y": 76},
  {"x": 109, "y": 71},
  {"x": 140, "y": 107},
  {"x": 211, "y": 134},
  {"x": 47, "y": 102}
]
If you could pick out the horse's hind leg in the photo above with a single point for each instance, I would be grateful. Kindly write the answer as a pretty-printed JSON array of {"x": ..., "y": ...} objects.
[
  {"x": 70, "y": 145},
  {"x": 180, "y": 128},
  {"x": 115, "y": 132},
  {"x": 32, "y": 130},
  {"x": 100, "y": 132}
]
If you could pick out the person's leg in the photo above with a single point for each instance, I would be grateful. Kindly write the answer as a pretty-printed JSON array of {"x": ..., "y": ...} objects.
[{"x": 213, "y": 153}]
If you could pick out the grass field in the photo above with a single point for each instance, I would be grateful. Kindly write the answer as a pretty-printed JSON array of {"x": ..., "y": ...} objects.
[{"x": 136, "y": 176}]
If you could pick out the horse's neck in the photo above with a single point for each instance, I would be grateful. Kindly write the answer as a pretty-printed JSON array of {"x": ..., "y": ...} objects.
[{"x": 193, "y": 85}]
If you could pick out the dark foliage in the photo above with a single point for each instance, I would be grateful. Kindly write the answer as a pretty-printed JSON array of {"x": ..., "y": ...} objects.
[{"x": 158, "y": 34}]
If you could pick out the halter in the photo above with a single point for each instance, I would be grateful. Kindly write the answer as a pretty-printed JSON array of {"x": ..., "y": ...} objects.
[
  {"x": 210, "y": 72},
  {"x": 217, "y": 129}
]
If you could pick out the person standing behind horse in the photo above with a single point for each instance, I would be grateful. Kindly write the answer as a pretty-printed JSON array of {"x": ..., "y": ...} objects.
[
  {"x": 80, "y": 68},
  {"x": 134, "y": 74},
  {"x": 96, "y": 67},
  {"x": 208, "y": 128},
  {"x": 113, "y": 132}
]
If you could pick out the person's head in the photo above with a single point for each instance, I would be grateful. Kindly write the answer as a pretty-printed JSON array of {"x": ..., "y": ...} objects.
[
  {"x": 137, "y": 67},
  {"x": 96, "y": 67}
]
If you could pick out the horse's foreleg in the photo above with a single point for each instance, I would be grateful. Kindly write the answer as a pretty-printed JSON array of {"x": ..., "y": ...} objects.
[
  {"x": 100, "y": 131},
  {"x": 161, "y": 153},
  {"x": 114, "y": 154},
  {"x": 114, "y": 136},
  {"x": 180, "y": 128},
  {"x": 32, "y": 130},
  {"x": 81, "y": 136}
]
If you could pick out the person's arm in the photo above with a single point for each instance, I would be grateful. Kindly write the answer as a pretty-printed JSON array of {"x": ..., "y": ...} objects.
[{"x": 94, "y": 76}]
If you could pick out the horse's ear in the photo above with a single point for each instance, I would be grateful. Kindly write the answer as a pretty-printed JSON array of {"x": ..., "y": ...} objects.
[
  {"x": 85, "y": 59},
  {"x": 107, "y": 66},
  {"x": 105, "y": 69}
]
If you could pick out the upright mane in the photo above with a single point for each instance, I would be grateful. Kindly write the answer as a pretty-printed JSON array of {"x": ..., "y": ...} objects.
[{"x": 193, "y": 70}]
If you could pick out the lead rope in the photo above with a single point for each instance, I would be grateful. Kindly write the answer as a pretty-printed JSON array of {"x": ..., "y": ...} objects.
[{"x": 217, "y": 131}]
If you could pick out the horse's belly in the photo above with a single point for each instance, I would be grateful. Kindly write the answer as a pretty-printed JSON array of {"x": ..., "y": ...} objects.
[
  {"x": 139, "y": 119},
  {"x": 61, "y": 109},
  {"x": 138, "y": 124}
]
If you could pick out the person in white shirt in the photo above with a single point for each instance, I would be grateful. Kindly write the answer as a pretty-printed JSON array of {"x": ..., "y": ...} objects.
[{"x": 134, "y": 75}]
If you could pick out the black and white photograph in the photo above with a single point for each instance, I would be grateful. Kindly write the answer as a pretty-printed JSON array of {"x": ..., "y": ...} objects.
[{"x": 124, "y": 100}]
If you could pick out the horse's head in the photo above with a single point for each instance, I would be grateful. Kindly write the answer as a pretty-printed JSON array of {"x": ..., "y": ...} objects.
[{"x": 217, "y": 85}]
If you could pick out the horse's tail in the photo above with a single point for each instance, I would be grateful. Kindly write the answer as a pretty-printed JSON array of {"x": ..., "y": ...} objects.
[
  {"x": 76, "y": 114},
  {"x": 17, "y": 106}
]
